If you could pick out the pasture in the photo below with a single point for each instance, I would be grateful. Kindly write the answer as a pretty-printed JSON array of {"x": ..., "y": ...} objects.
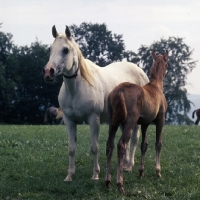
[{"x": 34, "y": 162}]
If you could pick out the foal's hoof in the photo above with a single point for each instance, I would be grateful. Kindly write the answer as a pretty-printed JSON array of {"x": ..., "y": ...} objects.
[
  {"x": 107, "y": 183},
  {"x": 121, "y": 188},
  {"x": 158, "y": 173},
  {"x": 141, "y": 173}
]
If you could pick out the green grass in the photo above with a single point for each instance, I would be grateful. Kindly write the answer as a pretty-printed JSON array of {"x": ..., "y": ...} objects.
[{"x": 34, "y": 162}]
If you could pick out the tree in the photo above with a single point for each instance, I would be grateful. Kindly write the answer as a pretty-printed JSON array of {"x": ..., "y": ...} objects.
[
  {"x": 98, "y": 44},
  {"x": 7, "y": 85},
  {"x": 33, "y": 95},
  {"x": 180, "y": 64}
]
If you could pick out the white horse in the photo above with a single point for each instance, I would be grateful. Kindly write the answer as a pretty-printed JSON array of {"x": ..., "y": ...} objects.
[{"x": 84, "y": 92}]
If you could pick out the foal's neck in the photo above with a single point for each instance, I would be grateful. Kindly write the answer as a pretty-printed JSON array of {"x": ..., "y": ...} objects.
[{"x": 157, "y": 83}]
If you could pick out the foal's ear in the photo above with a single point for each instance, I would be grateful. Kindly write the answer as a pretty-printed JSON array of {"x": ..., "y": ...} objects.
[
  {"x": 153, "y": 54},
  {"x": 165, "y": 56},
  {"x": 67, "y": 32},
  {"x": 54, "y": 31}
]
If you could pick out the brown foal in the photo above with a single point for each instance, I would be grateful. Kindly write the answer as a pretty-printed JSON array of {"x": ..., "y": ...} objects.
[{"x": 129, "y": 105}]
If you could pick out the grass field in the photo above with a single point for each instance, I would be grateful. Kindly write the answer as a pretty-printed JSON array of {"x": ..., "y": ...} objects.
[{"x": 34, "y": 161}]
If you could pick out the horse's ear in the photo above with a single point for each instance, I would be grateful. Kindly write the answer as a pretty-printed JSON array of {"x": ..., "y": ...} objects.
[
  {"x": 54, "y": 32},
  {"x": 153, "y": 54},
  {"x": 165, "y": 56},
  {"x": 67, "y": 32}
]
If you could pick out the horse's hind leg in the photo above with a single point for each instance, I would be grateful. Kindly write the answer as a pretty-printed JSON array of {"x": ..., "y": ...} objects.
[
  {"x": 129, "y": 161},
  {"x": 122, "y": 144},
  {"x": 144, "y": 145},
  {"x": 109, "y": 149}
]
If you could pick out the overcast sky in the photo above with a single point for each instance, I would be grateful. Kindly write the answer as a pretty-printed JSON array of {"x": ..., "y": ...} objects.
[{"x": 141, "y": 22}]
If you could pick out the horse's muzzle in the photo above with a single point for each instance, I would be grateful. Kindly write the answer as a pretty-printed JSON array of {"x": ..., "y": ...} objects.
[{"x": 48, "y": 73}]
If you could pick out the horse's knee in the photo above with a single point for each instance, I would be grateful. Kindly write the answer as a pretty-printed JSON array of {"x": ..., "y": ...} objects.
[
  {"x": 72, "y": 151},
  {"x": 94, "y": 149}
]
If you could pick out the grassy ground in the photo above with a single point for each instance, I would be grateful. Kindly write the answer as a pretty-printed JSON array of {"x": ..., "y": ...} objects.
[{"x": 34, "y": 161}]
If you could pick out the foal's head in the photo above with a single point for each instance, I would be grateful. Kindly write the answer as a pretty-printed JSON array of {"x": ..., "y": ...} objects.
[{"x": 159, "y": 66}]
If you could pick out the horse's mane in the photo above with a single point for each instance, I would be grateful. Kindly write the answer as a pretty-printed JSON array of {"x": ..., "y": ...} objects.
[{"x": 85, "y": 69}]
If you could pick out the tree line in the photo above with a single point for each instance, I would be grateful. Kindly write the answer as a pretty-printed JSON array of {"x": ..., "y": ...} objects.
[{"x": 24, "y": 95}]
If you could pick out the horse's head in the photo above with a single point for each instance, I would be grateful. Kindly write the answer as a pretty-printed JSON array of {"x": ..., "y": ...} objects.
[
  {"x": 63, "y": 55},
  {"x": 159, "y": 65}
]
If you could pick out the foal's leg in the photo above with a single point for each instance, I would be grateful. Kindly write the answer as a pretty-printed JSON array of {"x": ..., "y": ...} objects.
[
  {"x": 122, "y": 144},
  {"x": 158, "y": 146},
  {"x": 109, "y": 149},
  {"x": 133, "y": 144},
  {"x": 71, "y": 129},
  {"x": 94, "y": 123},
  {"x": 144, "y": 145}
]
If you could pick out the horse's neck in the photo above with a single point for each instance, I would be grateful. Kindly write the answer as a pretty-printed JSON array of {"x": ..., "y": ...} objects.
[{"x": 71, "y": 83}]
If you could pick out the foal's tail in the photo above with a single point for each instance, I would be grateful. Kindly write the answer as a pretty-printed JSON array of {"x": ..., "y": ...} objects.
[
  {"x": 46, "y": 116},
  {"x": 193, "y": 113},
  {"x": 117, "y": 107}
]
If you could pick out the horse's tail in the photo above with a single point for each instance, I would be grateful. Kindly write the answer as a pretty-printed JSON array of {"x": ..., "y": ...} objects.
[
  {"x": 59, "y": 114},
  {"x": 193, "y": 113},
  {"x": 46, "y": 116},
  {"x": 117, "y": 107}
]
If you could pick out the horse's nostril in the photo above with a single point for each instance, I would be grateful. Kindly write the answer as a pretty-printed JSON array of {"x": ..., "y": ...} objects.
[{"x": 51, "y": 71}]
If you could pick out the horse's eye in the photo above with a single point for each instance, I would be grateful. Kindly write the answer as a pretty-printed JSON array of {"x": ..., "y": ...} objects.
[{"x": 65, "y": 50}]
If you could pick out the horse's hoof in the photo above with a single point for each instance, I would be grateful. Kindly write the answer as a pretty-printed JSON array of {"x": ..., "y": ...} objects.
[
  {"x": 67, "y": 179},
  {"x": 127, "y": 169},
  {"x": 95, "y": 178}
]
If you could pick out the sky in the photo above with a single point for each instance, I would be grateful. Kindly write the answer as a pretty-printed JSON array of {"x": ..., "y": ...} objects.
[{"x": 141, "y": 22}]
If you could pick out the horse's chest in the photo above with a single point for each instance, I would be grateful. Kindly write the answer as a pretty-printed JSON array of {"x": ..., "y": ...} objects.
[{"x": 80, "y": 107}]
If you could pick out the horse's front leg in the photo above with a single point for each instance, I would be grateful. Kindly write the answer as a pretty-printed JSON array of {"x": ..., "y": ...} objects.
[
  {"x": 94, "y": 123},
  {"x": 71, "y": 129},
  {"x": 131, "y": 147}
]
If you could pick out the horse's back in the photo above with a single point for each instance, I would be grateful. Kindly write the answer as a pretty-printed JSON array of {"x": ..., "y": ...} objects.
[{"x": 124, "y": 72}]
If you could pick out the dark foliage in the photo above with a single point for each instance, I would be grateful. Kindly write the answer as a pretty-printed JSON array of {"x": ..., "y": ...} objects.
[{"x": 24, "y": 95}]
